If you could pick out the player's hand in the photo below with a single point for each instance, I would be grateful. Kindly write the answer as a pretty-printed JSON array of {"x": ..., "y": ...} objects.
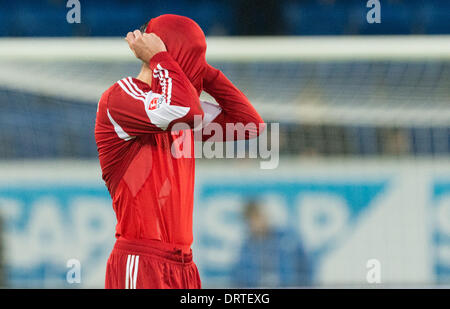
[{"x": 145, "y": 46}]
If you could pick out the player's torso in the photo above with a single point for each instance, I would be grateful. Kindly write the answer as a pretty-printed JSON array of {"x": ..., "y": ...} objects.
[
  {"x": 151, "y": 181},
  {"x": 154, "y": 198}
]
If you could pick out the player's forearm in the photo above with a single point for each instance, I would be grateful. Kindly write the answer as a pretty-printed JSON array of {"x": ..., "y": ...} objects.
[
  {"x": 236, "y": 107},
  {"x": 175, "y": 86}
]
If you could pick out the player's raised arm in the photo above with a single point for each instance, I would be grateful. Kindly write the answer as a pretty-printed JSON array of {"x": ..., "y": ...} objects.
[
  {"x": 172, "y": 98},
  {"x": 234, "y": 108}
]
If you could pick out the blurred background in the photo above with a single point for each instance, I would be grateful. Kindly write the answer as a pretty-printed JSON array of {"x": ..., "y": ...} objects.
[{"x": 364, "y": 141}]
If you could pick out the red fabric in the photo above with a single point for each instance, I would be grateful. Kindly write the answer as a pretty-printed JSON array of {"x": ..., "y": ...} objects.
[
  {"x": 236, "y": 108},
  {"x": 152, "y": 189},
  {"x": 129, "y": 112},
  {"x": 154, "y": 265},
  {"x": 185, "y": 41}
]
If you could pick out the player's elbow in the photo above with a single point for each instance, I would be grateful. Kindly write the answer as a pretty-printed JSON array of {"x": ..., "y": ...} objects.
[
  {"x": 258, "y": 126},
  {"x": 261, "y": 127},
  {"x": 195, "y": 116}
]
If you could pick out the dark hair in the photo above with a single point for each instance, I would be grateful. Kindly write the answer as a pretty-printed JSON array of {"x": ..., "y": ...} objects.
[{"x": 143, "y": 27}]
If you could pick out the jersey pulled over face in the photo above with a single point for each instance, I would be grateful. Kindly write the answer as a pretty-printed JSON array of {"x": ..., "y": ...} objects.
[
  {"x": 152, "y": 186},
  {"x": 186, "y": 42}
]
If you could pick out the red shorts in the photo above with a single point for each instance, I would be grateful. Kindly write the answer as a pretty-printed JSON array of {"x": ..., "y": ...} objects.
[{"x": 144, "y": 264}]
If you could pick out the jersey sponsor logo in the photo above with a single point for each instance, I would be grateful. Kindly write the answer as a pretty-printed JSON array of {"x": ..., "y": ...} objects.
[
  {"x": 159, "y": 111},
  {"x": 153, "y": 104}
]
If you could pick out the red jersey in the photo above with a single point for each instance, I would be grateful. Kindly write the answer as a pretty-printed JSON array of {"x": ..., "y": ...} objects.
[{"x": 152, "y": 189}]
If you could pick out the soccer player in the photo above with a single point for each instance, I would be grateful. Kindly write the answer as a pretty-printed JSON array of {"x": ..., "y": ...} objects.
[{"x": 151, "y": 188}]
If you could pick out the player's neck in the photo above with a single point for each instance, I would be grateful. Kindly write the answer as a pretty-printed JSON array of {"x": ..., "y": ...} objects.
[{"x": 145, "y": 75}]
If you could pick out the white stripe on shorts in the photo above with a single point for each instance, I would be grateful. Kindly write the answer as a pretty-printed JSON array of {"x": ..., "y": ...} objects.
[{"x": 130, "y": 275}]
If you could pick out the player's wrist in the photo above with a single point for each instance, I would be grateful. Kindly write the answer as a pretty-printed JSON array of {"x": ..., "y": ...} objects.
[{"x": 157, "y": 58}]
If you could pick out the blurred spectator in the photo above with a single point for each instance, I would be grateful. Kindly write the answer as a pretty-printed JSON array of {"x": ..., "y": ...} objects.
[
  {"x": 270, "y": 257},
  {"x": 396, "y": 142}
]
